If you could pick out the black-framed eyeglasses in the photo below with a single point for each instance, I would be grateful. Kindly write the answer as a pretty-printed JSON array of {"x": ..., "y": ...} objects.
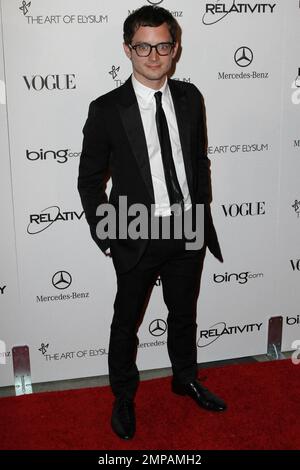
[{"x": 144, "y": 49}]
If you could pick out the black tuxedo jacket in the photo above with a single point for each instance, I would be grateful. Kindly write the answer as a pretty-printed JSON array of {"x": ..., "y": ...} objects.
[{"x": 114, "y": 145}]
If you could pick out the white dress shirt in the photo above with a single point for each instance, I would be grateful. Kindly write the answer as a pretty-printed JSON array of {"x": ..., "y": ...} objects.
[{"x": 147, "y": 106}]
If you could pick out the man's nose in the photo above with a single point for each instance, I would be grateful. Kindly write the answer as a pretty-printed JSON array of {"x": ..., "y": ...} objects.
[{"x": 153, "y": 54}]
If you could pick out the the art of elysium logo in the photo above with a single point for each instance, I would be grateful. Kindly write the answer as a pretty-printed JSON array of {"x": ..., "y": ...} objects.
[
  {"x": 114, "y": 73},
  {"x": 26, "y": 8},
  {"x": 69, "y": 355},
  {"x": 220, "y": 9},
  {"x": 237, "y": 148},
  {"x": 296, "y": 207}
]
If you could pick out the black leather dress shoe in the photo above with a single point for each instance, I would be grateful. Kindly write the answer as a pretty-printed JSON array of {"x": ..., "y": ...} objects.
[
  {"x": 201, "y": 395},
  {"x": 123, "y": 418}
]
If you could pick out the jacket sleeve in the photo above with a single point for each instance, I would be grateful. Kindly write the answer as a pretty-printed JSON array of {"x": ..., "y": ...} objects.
[
  {"x": 94, "y": 169},
  {"x": 204, "y": 174}
]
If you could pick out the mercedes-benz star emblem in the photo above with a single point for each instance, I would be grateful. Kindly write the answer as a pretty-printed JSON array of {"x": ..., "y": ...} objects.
[
  {"x": 62, "y": 280},
  {"x": 157, "y": 327},
  {"x": 155, "y": 2},
  {"x": 243, "y": 56}
]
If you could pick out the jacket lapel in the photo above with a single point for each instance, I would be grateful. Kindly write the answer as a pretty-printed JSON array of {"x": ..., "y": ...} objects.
[
  {"x": 184, "y": 128},
  {"x": 133, "y": 125}
]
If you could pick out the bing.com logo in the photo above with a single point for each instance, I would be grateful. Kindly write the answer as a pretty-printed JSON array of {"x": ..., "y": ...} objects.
[{"x": 240, "y": 278}]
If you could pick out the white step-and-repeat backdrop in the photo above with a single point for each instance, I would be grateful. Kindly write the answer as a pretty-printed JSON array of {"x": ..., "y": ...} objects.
[{"x": 56, "y": 287}]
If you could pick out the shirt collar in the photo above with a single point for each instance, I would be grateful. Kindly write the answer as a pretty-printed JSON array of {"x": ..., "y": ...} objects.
[{"x": 145, "y": 92}]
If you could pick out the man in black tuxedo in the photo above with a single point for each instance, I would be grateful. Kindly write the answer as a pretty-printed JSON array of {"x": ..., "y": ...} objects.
[{"x": 149, "y": 136}]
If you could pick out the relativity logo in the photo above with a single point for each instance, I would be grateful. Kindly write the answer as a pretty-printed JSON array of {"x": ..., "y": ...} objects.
[
  {"x": 220, "y": 9},
  {"x": 32, "y": 18},
  {"x": 40, "y": 222},
  {"x": 2, "y": 289},
  {"x": 207, "y": 337}
]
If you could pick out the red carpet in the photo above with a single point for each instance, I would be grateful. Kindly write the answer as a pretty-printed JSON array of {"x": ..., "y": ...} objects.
[{"x": 263, "y": 413}]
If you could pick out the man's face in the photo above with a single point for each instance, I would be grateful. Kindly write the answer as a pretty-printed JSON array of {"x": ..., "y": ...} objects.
[{"x": 151, "y": 70}]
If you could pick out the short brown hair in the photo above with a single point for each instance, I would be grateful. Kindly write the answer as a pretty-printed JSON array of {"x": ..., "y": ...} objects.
[{"x": 149, "y": 15}]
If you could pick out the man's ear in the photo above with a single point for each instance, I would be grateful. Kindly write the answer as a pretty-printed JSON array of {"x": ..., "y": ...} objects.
[
  {"x": 175, "y": 49},
  {"x": 127, "y": 50}
]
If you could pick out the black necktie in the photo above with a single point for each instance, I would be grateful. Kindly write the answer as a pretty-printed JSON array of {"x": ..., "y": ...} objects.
[{"x": 173, "y": 186}]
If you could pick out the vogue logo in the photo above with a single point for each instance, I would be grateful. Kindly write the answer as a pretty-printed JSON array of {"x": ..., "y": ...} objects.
[
  {"x": 295, "y": 264},
  {"x": 244, "y": 209},
  {"x": 40, "y": 222},
  {"x": 217, "y": 11},
  {"x": 60, "y": 156},
  {"x": 50, "y": 82}
]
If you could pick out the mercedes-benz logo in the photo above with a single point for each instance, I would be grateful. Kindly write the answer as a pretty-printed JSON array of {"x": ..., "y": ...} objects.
[
  {"x": 155, "y": 2},
  {"x": 243, "y": 56},
  {"x": 157, "y": 327},
  {"x": 62, "y": 280}
]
